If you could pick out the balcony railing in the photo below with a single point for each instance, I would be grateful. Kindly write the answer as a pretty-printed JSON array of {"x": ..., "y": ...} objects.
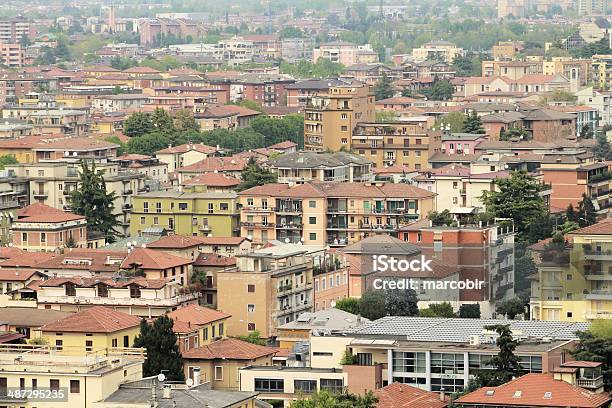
[
  {"x": 114, "y": 301},
  {"x": 590, "y": 382}
]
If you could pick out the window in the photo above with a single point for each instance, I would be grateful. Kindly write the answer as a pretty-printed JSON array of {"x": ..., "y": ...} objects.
[
  {"x": 531, "y": 364},
  {"x": 142, "y": 220},
  {"x": 251, "y": 326},
  {"x": 221, "y": 329},
  {"x": 211, "y": 208},
  {"x": 24, "y": 237},
  {"x": 447, "y": 363},
  {"x": 54, "y": 384},
  {"x": 75, "y": 386},
  {"x": 205, "y": 333},
  {"x": 59, "y": 344},
  {"x": 155, "y": 220},
  {"x": 126, "y": 341},
  {"x": 408, "y": 362},
  {"x": 43, "y": 237},
  {"x": 22, "y": 383},
  {"x": 305, "y": 386},
  {"x": 269, "y": 385},
  {"x": 450, "y": 385},
  {"x": 251, "y": 308},
  {"x": 3, "y": 386},
  {"x": 158, "y": 207},
  {"x": 34, "y": 383},
  {"x": 312, "y": 220},
  {"x": 218, "y": 373},
  {"x": 312, "y": 236},
  {"x": 364, "y": 359},
  {"x": 251, "y": 288},
  {"x": 182, "y": 206},
  {"x": 88, "y": 345},
  {"x": 114, "y": 343},
  {"x": 332, "y": 385},
  {"x": 223, "y": 206},
  {"x": 312, "y": 204},
  {"x": 343, "y": 128}
]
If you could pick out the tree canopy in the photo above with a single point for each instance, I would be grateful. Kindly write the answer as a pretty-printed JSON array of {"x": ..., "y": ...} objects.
[{"x": 163, "y": 354}]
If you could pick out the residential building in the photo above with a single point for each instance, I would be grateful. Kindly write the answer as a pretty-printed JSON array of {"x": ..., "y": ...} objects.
[
  {"x": 394, "y": 144},
  {"x": 12, "y": 30},
  {"x": 572, "y": 284},
  {"x": 263, "y": 89},
  {"x": 138, "y": 296},
  {"x": 600, "y": 100},
  {"x": 372, "y": 73},
  {"x": 119, "y": 103},
  {"x": 150, "y": 167},
  {"x": 220, "y": 361},
  {"x": 268, "y": 288},
  {"x": 39, "y": 227},
  {"x": 330, "y": 118},
  {"x": 15, "y": 279},
  {"x": 218, "y": 182},
  {"x": 192, "y": 214},
  {"x": 158, "y": 265},
  {"x": 300, "y": 94},
  {"x": 184, "y": 155},
  {"x": 404, "y": 395},
  {"x": 15, "y": 130},
  {"x": 507, "y": 50},
  {"x": 12, "y": 55},
  {"x": 86, "y": 377},
  {"x": 81, "y": 262},
  {"x": 209, "y": 326},
  {"x": 592, "y": 7},
  {"x": 345, "y": 53},
  {"x": 231, "y": 166},
  {"x": 304, "y": 166},
  {"x": 328, "y": 213},
  {"x": 27, "y": 320},
  {"x": 447, "y": 51},
  {"x": 602, "y": 70},
  {"x": 297, "y": 49}
]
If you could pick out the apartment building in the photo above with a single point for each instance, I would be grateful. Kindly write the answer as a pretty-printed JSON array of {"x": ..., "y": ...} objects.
[
  {"x": 574, "y": 284},
  {"x": 268, "y": 288},
  {"x": 345, "y": 53},
  {"x": 299, "y": 167},
  {"x": 150, "y": 167},
  {"x": 394, "y": 144},
  {"x": 12, "y": 30},
  {"x": 444, "y": 50},
  {"x": 136, "y": 296},
  {"x": 599, "y": 100},
  {"x": 297, "y": 49},
  {"x": 119, "y": 103},
  {"x": 330, "y": 118},
  {"x": 39, "y": 227},
  {"x": 14, "y": 130},
  {"x": 263, "y": 89},
  {"x": 602, "y": 70},
  {"x": 185, "y": 155},
  {"x": 85, "y": 378},
  {"x": 328, "y": 213},
  {"x": 12, "y": 55},
  {"x": 193, "y": 214},
  {"x": 207, "y": 324},
  {"x": 300, "y": 94}
]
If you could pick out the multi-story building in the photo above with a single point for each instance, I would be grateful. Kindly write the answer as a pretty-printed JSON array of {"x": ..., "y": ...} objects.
[
  {"x": 602, "y": 70},
  {"x": 193, "y": 214},
  {"x": 150, "y": 167},
  {"x": 209, "y": 325},
  {"x": 158, "y": 265},
  {"x": 120, "y": 102},
  {"x": 304, "y": 166},
  {"x": 592, "y": 7},
  {"x": 12, "y": 30},
  {"x": 15, "y": 130},
  {"x": 345, "y": 53},
  {"x": 573, "y": 283},
  {"x": 330, "y": 118},
  {"x": 12, "y": 55},
  {"x": 394, "y": 144},
  {"x": 328, "y": 213},
  {"x": 185, "y": 155},
  {"x": 300, "y": 94},
  {"x": 39, "y": 227},
  {"x": 296, "y": 49},
  {"x": 507, "y": 8},
  {"x": 263, "y": 89},
  {"x": 447, "y": 51},
  {"x": 268, "y": 288},
  {"x": 600, "y": 100}
]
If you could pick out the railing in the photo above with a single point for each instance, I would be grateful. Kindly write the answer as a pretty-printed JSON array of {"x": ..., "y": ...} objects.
[
  {"x": 590, "y": 382},
  {"x": 114, "y": 301}
]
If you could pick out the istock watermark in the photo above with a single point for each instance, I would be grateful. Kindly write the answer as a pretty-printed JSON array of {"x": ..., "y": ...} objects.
[{"x": 384, "y": 263}]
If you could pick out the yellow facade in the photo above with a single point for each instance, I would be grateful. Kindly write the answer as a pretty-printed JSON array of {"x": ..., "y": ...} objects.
[
  {"x": 75, "y": 343},
  {"x": 193, "y": 214}
]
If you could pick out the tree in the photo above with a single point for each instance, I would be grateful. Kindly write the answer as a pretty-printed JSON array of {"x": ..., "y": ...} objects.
[
  {"x": 473, "y": 124},
  {"x": 148, "y": 144},
  {"x": 586, "y": 132},
  {"x": 469, "y": 311},
  {"x": 441, "y": 90},
  {"x": 383, "y": 88},
  {"x": 254, "y": 175},
  {"x": 603, "y": 150},
  {"x": 506, "y": 363},
  {"x": 401, "y": 303},
  {"x": 93, "y": 201},
  {"x": 518, "y": 199},
  {"x": 162, "y": 122},
  {"x": 253, "y": 337},
  {"x": 325, "y": 399},
  {"x": 386, "y": 116},
  {"x": 373, "y": 304},
  {"x": 596, "y": 345},
  {"x": 586, "y": 212},
  {"x": 291, "y": 32},
  {"x": 7, "y": 160},
  {"x": 137, "y": 124},
  {"x": 443, "y": 218},
  {"x": 571, "y": 214},
  {"x": 349, "y": 305},
  {"x": 184, "y": 121},
  {"x": 163, "y": 354},
  {"x": 453, "y": 119},
  {"x": 116, "y": 140},
  {"x": 510, "y": 308},
  {"x": 407, "y": 92},
  {"x": 443, "y": 309},
  {"x": 514, "y": 134}
]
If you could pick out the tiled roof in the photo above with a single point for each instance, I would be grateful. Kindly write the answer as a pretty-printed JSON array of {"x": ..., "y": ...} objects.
[
  {"x": 230, "y": 349},
  {"x": 146, "y": 258},
  {"x": 88, "y": 282},
  {"x": 241, "y": 110},
  {"x": 176, "y": 241},
  {"x": 215, "y": 164},
  {"x": 141, "y": 70},
  {"x": 43, "y": 213},
  {"x": 603, "y": 227},
  {"x": 26, "y": 259},
  {"x": 197, "y": 315},
  {"x": 94, "y": 260},
  {"x": 222, "y": 240},
  {"x": 210, "y": 259},
  {"x": 398, "y": 395},
  {"x": 213, "y": 180},
  {"x": 184, "y": 148},
  {"x": 97, "y": 319},
  {"x": 536, "y": 390},
  {"x": 287, "y": 144},
  {"x": 76, "y": 143},
  {"x": 449, "y": 170},
  {"x": 16, "y": 274}
]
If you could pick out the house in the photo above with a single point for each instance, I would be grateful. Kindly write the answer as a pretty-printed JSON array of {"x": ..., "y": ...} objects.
[
  {"x": 209, "y": 323},
  {"x": 399, "y": 395},
  {"x": 91, "y": 330},
  {"x": 231, "y": 166},
  {"x": 209, "y": 264},
  {"x": 27, "y": 320},
  {"x": 13, "y": 279},
  {"x": 185, "y": 154},
  {"x": 218, "y": 182},
  {"x": 219, "y": 362},
  {"x": 158, "y": 265}
]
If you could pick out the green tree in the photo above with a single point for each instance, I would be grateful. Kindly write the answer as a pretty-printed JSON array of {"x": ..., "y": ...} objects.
[
  {"x": 443, "y": 218},
  {"x": 291, "y": 32},
  {"x": 506, "y": 363},
  {"x": 602, "y": 149},
  {"x": 469, "y": 311},
  {"x": 518, "y": 199},
  {"x": 571, "y": 214},
  {"x": 163, "y": 354},
  {"x": 453, "y": 119},
  {"x": 148, "y": 144},
  {"x": 443, "y": 309},
  {"x": 349, "y": 305},
  {"x": 514, "y": 134},
  {"x": 184, "y": 121},
  {"x": 93, "y": 201},
  {"x": 279, "y": 130},
  {"x": 407, "y": 92},
  {"x": 7, "y": 160},
  {"x": 373, "y": 304},
  {"x": 596, "y": 345},
  {"x": 137, "y": 124},
  {"x": 162, "y": 122},
  {"x": 383, "y": 88},
  {"x": 441, "y": 90},
  {"x": 401, "y": 302},
  {"x": 253, "y": 337},
  {"x": 586, "y": 132},
  {"x": 254, "y": 175},
  {"x": 586, "y": 212},
  {"x": 510, "y": 308},
  {"x": 115, "y": 139},
  {"x": 122, "y": 63},
  {"x": 386, "y": 116},
  {"x": 473, "y": 124},
  {"x": 325, "y": 399}
]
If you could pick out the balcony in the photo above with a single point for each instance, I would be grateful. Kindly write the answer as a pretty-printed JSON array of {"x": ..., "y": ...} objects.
[
  {"x": 40, "y": 194},
  {"x": 67, "y": 192},
  {"x": 289, "y": 226},
  {"x": 598, "y": 254},
  {"x": 599, "y": 294},
  {"x": 289, "y": 210},
  {"x": 127, "y": 192},
  {"x": 258, "y": 209},
  {"x": 590, "y": 382},
  {"x": 9, "y": 204},
  {"x": 257, "y": 224},
  {"x": 115, "y": 301},
  {"x": 126, "y": 207}
]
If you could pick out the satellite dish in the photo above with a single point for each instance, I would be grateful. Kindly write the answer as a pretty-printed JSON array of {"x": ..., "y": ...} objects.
[
  {"x": 161, "y": 377},
  {"x": 189, "y": 382}
]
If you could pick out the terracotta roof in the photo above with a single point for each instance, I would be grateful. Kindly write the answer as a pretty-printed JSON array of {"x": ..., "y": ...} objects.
[
  {"x": 211, "y": 259},
  {"x": 213, "y": 180},
  {"x": 287, "y": 144},
  {"x": 76, "y": 143},
  {"x": 184, "y": 148},
  {"x": 16, "y": 274},
  {"x": 534, "y": 389},
  {"x": 449, "y": 170},
  {"x": 10, "y": 252},
  {"x": 43, "y": 213},
  {"x": 398, "y": 395},
  {"x": 215, "y": 164},
  {"x": 26, "y": 259},
  {"x": 222, "y": 240},
  {"x": 183, "y": 327},
  {"x": 230, "y": 349},
  {"x": 97, "y": 319},
  {"x": 94, "y": 260},
  {"x": 141, "y": 70},
  {"x": 241, "y": 110},
  {"x": 176, "y": 241},
  {"x": 603, "y": 227},
  {"x": 89, "y": 282},
  {"x": 197, "y": 315},
  {"x": 146, "y": 258}
]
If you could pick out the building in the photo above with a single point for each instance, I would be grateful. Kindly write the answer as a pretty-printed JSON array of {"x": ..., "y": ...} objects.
[
  {"x": 86, "y": 377},
  {"x": 571, "y": 283},
  {"x": 136, "y": 296},
  {"x": 209, "y": 325},
  {"x": 12, "y": 55},
  {"x": 328, "y": 213},
  {"x": 158, "y": 265},
  {"x": 300, "y": 94},
  {"x": 331, "y": 117},
  {"x": 184, "y": 155},
  {"x": 444, "y": 50},
  {"x": 346, "y": 54},
  {"x": 12, "y": 30},
  {"x": 394, "y": 144},
  {"x": 27, "y": 320},
  {"x": 150, "y": 167},
  {"x": 263, "y": 89},
  {"x": 534, "y": 391},
  {"x": 39, "y": 227},
  {"x": 592, "y": 7},
  {"x": 93, "y": 329},
  {"x": 599, "y": 100},
  {"x": 304, "y": 166},
  {"x": 398, "y": 395},
  {"x": 193, "y": 214},
  {"x": 219, "y": 182},
  {"x": 220, "y": 361},
  {"x": 268, "y": 288},
  {"x": 297, "y": 49}
]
